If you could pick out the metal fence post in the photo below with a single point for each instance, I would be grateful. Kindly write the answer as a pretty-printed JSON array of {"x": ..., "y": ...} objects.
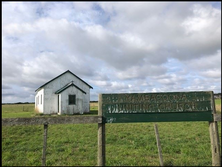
[{"x": 158, "y": 144}]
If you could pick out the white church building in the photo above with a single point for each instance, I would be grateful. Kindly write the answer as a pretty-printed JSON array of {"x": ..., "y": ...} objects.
[{"x": 64, "y": 94}]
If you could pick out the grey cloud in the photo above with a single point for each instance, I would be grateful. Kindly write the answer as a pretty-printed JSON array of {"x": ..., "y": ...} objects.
[
  {"x": 113, "y": 50},
  {"x": 120, "y": 50},
  {"x": 204, "y": 63},
  {"x": 6, "y": 87},
  {"x": 169, "y": 28},
  {"x": 212, "y": 73},
  {"x": 8, "y": 94}
]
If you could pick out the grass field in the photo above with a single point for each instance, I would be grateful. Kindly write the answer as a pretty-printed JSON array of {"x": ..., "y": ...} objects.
[
  {"x": 218, "y": 105},
  {"x": 131, "y": 144}
]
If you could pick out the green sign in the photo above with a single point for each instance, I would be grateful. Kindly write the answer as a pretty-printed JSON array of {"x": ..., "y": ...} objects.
[{"x": 157, "y": 107}]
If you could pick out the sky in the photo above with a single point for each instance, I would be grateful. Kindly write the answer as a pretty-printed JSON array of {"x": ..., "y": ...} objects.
[{"x": 116, "y": 47}]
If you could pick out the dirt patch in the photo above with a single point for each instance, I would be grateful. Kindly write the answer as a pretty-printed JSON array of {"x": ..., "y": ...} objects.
[
  {"x": 218, "y": 108},
  {"x": 93, "y": 104}
]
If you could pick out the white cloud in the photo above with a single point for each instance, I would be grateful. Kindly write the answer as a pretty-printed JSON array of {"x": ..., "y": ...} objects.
[
  {"x": 212, "y": 73},
  {"x": 208, "y": 62},
  {"x": 202, "y": 20},
  {"x": 114, "y": 46}
]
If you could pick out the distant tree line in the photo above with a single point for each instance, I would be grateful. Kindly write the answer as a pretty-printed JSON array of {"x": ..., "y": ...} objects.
[
  {"x": 217, "y": 95},
  {"x": 20, "y": 103},
  {"x": 93, "y": 101}
]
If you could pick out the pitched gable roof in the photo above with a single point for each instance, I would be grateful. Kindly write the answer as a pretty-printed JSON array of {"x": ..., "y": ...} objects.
[
  {"x": 61, "y": 75},
  {"x": 67, "y": 86}
]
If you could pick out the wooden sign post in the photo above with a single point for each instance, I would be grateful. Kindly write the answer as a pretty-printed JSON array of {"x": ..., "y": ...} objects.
[
  {"x": 158, "y": 107},
  {"x": 215, "y": 142},
  {"x": 101, "y": 138}
]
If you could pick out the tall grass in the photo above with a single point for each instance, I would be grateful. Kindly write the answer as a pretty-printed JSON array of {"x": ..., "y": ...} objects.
[{"x": 18, "y": 110}]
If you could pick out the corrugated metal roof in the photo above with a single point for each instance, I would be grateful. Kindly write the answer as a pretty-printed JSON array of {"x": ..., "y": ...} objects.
[
  {"x": 67, "y": 86},
  {"x": 61, "y": 75}
]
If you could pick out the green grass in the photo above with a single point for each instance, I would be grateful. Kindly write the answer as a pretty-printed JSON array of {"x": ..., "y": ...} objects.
[
  {"x": 28, "y": 110},
  {"x": 218, "y": 105},
  {"x": 129, "y": 144},
  {"x": 132, "y": 144},
  {"x": 218, "y": 101},
  {"x": 18, "y": 110}
]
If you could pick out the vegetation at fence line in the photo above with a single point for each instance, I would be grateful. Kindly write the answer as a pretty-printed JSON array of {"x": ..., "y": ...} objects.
[{"x": 129, "y": 144}]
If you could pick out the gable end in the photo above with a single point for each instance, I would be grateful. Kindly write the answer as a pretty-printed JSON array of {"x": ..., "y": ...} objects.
[
  {"x": 67, "y": 86},
  {"x": 61, "y": 75}
]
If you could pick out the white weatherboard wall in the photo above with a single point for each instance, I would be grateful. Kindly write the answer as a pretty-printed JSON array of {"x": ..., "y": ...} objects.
[
  {"x": 39, "y": 101},
  {"x": 79, "y": 107},
  {"x": 52, "y": 104},
  {"x": 59, "y": 103}
]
